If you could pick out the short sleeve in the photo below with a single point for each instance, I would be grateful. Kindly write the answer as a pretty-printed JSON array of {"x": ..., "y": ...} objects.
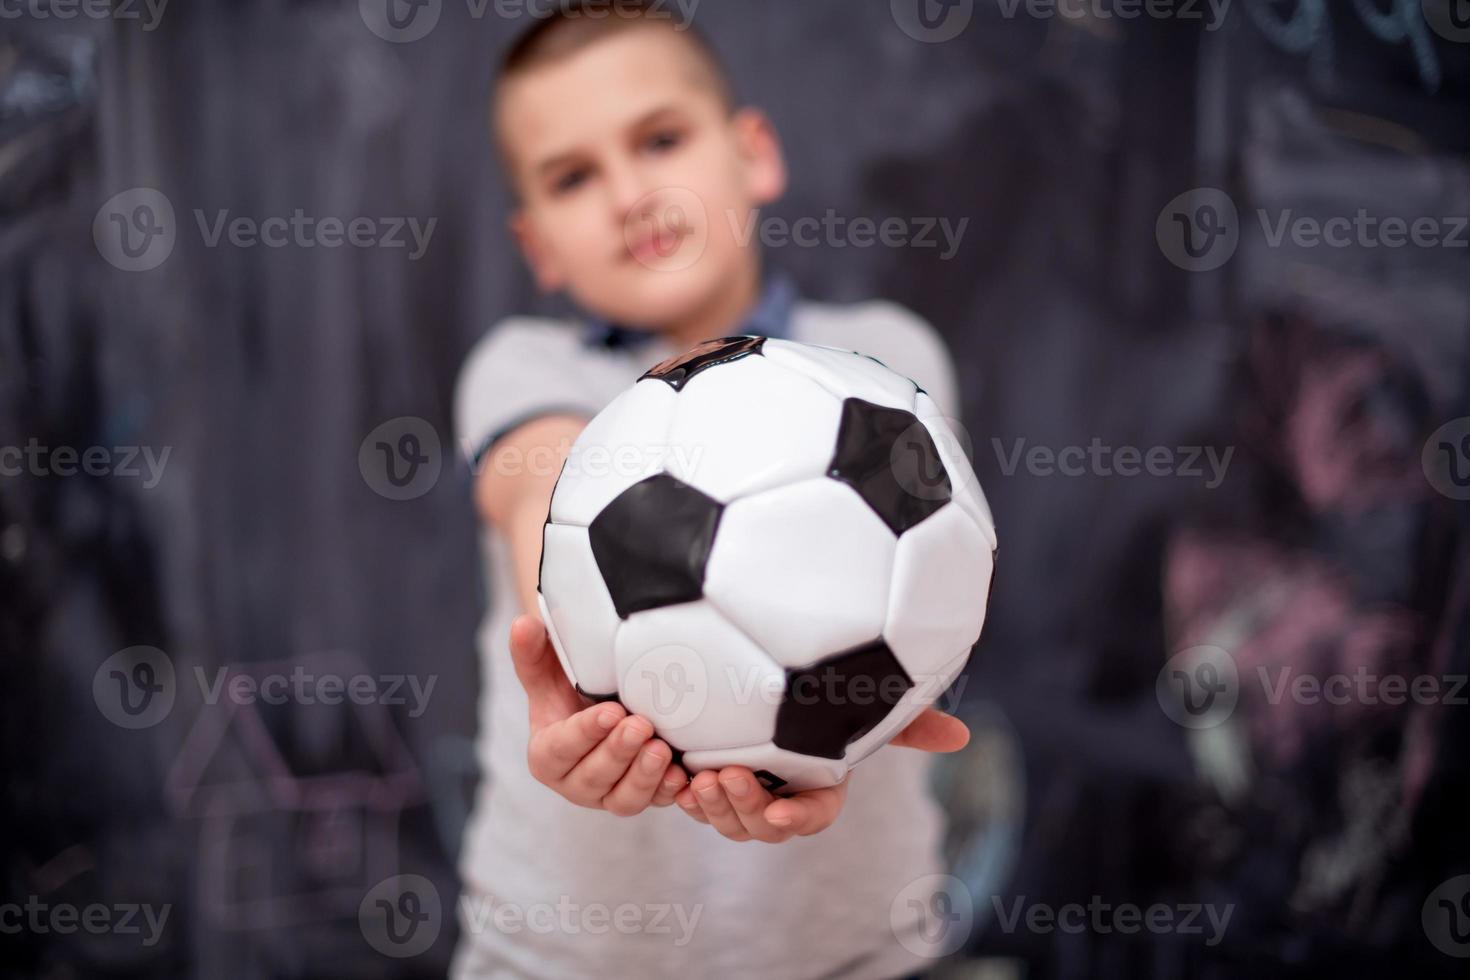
[{"x": 523, "y": 369}]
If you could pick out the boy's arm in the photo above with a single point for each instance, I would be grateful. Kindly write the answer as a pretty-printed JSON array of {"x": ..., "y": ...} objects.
[
  {"x": 513, "y": 491},
  {"x": 521, "y": 402},
  {"x": 598, "y": 756}
]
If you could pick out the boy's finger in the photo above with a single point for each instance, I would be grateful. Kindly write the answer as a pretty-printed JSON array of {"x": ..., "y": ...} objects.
[
  {"x": 716, "y": 806},
  {"x": 634, "y": 792},
  {"x": 596, "y": 775},
  {"x": 689, "y": 804},
  {"x": 549, "y": 694},
  {"x": 809, "y": 812},
  {"x": 749, "y": 800},
  {"x": 558, "y": 747},
  {"x": 674, "y": 779},
  {"x": 934, "y": 731}
]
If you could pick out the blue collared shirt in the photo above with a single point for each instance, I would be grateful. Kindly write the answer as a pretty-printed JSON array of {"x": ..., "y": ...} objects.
[{"x": 771, "y": 317}]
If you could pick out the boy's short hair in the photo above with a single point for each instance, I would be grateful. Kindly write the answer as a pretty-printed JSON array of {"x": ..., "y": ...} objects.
[{"x": 575, "y": 24}]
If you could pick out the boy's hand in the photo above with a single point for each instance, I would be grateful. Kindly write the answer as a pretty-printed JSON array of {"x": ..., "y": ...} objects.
[
  {"x": 740, "y": 808},
  {"x": 599, "y": 757},
  {"x": 733, "y": 802}
]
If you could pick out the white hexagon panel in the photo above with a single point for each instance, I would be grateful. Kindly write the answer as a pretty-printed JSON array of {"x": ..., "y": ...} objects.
[
  {"x": 626, "y": 442},
  {"x": 941, "y": 581},
  {"x": 845, "y": 373},
  {"x": 578, "y": 610},
  {"x": 702, "y": 682},
  {"x": 749, "y": 426},
  {"x": 803, "y": 569}
]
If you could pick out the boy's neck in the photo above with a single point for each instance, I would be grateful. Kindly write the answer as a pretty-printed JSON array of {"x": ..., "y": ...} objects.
[{"x": 723, "y": 315}]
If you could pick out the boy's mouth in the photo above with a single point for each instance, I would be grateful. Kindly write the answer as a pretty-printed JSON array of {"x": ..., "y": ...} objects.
[{"x": 652, "y": 242}]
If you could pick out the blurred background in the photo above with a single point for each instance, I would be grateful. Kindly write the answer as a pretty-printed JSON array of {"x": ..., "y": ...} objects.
[{"x": 1208, "y": 288}]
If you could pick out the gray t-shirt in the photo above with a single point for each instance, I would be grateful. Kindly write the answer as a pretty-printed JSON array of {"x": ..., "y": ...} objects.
[{"x": 555, "y": 890}]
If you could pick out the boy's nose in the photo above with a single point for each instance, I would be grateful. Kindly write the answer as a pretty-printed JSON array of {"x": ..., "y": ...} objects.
[{"x": 627, "y": 187}]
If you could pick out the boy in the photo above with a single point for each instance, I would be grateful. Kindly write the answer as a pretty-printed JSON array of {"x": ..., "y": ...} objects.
[{"x": 634, "y": 173}]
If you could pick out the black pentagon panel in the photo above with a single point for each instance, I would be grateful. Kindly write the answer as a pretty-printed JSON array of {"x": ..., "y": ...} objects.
[
  {"x": 836, "y": 701},
  {"x": 889, "y": 458},
  {"x": 678, "y": 370},
  {"x": 652, "y": 543}
]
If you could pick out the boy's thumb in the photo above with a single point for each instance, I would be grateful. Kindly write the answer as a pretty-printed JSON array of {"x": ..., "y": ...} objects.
[
  {"x": 934, "y": 731},
  {"x": 538, "y": 668}
]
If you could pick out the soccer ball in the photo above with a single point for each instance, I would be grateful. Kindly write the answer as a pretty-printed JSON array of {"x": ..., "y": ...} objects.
[{"x": 776, "y": 552}]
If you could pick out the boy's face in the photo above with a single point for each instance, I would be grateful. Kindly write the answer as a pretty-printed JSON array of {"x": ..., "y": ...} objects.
[{"x": 637, "y": 184}]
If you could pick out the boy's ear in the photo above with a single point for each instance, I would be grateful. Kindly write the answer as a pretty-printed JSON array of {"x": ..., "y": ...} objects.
[
  {"x": 760, "y": 147},
  {"x": 548, "y": 275}
]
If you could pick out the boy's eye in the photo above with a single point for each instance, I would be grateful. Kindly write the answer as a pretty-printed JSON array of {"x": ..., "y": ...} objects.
[
  {"x": 663, "y": 141},
  {"x": 569, "y": 180}
]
